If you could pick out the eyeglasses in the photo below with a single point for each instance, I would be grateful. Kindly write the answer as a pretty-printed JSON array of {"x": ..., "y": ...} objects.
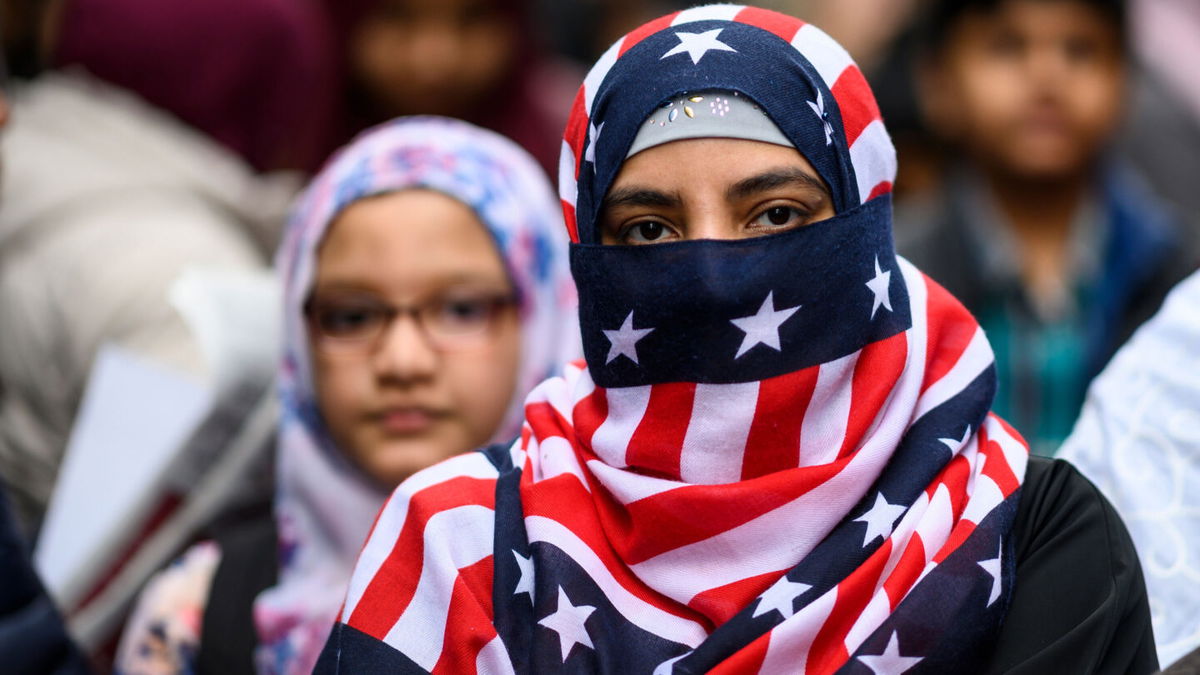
[{"x": 453, "y": 320}]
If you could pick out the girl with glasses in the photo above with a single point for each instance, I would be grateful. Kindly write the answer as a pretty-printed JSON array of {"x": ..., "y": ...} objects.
[{"x": 426, "y": 292}]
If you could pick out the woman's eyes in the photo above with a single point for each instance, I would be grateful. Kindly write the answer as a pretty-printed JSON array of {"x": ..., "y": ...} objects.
[
  {"x": 766, "y": 221},
  {"x": 645, "y": 232},
  {"x": 780, "y": 217}
]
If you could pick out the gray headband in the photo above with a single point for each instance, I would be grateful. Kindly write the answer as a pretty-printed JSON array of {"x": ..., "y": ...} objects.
[{"x": 707, "y": 114}]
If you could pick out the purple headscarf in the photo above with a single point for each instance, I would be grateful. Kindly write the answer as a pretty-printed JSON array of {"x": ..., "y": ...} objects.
[{"x": 254, "y": 75}]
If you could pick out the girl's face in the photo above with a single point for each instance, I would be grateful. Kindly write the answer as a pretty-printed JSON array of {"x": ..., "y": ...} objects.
[
  {"x": 712, "y": 188},
  {"x": 414, "y": 332}
]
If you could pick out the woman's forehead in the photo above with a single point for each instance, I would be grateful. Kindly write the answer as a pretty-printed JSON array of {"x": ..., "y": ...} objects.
[{"x": 732, "y": 168}]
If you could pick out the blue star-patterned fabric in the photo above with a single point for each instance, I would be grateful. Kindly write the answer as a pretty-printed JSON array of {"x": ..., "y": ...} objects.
[{"x": 695, "y": 311}]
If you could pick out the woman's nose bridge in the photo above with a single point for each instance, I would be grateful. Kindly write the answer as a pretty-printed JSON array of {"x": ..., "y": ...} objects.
[{"x": 711, "y": 219}]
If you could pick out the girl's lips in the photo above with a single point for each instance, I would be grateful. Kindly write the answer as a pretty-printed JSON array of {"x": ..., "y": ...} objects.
[{"x": 407, "y": 420}]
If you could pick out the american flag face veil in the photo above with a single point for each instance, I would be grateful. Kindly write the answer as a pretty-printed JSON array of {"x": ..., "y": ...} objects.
[{"x": 836, "y": 497}]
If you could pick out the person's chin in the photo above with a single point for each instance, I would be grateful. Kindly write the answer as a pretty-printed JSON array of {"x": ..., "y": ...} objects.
[
  {"x": 395, "y": 457},
  {"x": 1043, "y": 151},
  {"x": 1042, "y": 159}
]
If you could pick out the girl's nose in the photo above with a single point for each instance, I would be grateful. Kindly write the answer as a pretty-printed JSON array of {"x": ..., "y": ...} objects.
[{"x": 405, "y": 352}]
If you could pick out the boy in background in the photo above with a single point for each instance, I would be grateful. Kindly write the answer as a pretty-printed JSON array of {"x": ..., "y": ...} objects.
[{"x": 1057, "y": 249}]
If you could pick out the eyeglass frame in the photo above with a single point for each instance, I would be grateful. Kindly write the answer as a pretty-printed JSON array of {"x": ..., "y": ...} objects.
[{"x": 391, "y": 312}]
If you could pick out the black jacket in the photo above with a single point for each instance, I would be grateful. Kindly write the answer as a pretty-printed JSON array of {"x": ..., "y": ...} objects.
[
  {"x": 33, "y": 639},
  {"x": 1079, "y": 601}
]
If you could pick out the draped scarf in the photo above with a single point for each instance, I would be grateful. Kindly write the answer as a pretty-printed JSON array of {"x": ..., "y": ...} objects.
[
  {"x": 324, "y": 505},
  {"x": 777, "y": 455}
]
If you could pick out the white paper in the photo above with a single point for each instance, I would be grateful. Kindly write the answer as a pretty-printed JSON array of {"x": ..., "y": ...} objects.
[
  {"x": 236, "y": 319},
  {"x": 134, "y": 420}
]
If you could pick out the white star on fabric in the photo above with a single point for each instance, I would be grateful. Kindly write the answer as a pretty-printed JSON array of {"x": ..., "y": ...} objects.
[
  {"x": 698, "y": 44},
  {"x": 567, "y": 620},
  {"x": 992, "y": 567},
  {"x": 890, "y": 662},
  {"x": 879, "y": 519},
  {"x": 624, "y": 340},
  {"x": 525, "y": 583},
  {"x": 881, "y": 286},
  {"x": 763, "y": 327},
  {"x": 954, "y": 443},
  {"x": 589, "y": 155},
  {"x": 668, "y": 666},
  {"x": 818, "y": 107},
  {"x": 779, "y": 597}
]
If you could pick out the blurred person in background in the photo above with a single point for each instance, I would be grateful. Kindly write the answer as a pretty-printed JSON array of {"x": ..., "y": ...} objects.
[
  {"x": 33, "y": 638},
  {"x": 477, "y": 60},
  {"x": 1057, "y": 248},
  {"x": 583, "y": 29},
  {"x": 1162, "y": 135},
  {"x": 1138, "y": 439},
  {"x": 137, "y": 153},
  {"x": 427, "y": 291},
  {"x": 1159, "y": 133}
]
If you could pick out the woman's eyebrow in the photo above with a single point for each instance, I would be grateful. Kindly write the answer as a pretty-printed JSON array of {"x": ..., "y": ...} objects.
[
  {"x": 340, "y": 285},
  {"x": 772, "y": 179},
  {"x": 639, "y": 196}
]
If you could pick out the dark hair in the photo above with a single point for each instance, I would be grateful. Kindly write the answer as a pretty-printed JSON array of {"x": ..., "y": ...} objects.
[{"x": 942, "y": 16}]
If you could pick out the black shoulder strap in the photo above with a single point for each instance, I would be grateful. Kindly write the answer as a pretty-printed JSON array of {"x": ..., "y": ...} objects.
[{"x": 249, "y": 565}]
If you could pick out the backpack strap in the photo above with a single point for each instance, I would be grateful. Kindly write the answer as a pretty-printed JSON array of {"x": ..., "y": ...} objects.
[{"x": 249, "y": 565}]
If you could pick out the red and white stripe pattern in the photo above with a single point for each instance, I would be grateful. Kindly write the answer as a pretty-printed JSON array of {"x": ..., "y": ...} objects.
[{"x": 677, "y": 556}]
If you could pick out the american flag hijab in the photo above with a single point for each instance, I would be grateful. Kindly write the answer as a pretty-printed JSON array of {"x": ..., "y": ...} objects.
[{"x": 778, "y": 456}]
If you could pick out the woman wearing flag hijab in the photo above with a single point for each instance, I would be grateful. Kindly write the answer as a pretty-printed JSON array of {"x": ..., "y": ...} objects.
[
  {"x": 426, "y": 292},
  {"x": 778, "y": 455}
]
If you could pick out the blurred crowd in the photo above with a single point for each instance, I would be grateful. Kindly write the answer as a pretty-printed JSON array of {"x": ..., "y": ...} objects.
[{"x": 1048, "y": 154}]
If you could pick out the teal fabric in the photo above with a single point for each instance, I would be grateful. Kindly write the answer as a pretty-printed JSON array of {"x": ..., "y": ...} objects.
[
  {"x": 1126, "y": 252},
  {"x": 1042, "y": 372}
]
